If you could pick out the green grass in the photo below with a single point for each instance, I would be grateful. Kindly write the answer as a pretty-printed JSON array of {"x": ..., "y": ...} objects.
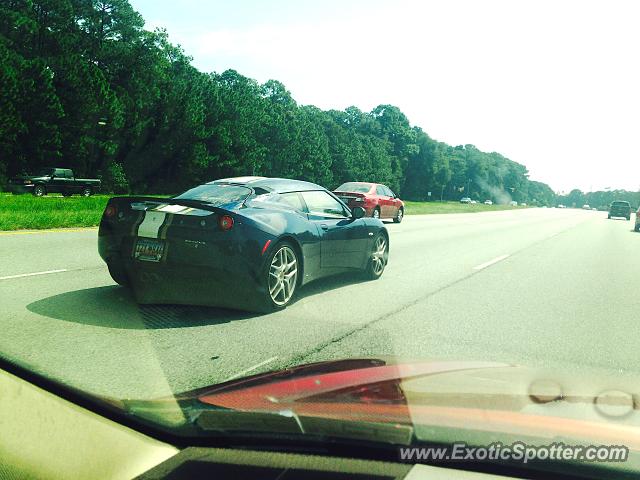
[
  {"x": 29, "y": 212},
  {"x": 421, "y": 208},
  {"x": 19, "y": 212}
]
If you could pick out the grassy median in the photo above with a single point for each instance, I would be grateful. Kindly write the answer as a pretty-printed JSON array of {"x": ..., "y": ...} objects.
[
  {"x": 19, "y": 212},
  {"x": 422, "y": 208},
  {"x": 29, "y": 212}
]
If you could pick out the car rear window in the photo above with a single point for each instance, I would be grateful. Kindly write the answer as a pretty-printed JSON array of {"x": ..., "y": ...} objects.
[
  {"x": 620, "y": 204},
  {"x": 217, "y": 195},
  {"x": 354, "y": 187}
]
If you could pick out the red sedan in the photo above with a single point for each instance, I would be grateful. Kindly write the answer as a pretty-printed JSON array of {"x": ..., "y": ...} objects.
[{"x": 378, "y": 200}]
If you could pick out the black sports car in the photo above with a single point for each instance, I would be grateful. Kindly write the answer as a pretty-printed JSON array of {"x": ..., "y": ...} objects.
[{"x": 245, "y": 242}]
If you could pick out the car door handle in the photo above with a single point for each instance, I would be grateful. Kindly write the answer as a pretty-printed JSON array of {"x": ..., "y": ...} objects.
[{"x": 324, "y": 226}]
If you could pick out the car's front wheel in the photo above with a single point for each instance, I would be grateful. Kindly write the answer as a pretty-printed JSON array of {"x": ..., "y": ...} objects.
[
  {"x": 281, "y": 276},
  {"x": 39, "y": 191},
  {"x": 378, "y": 257},
  {"x": 87, "y": 192},
  {"x": 637, "y": 229},
  {"x": 376, "y": 213}
]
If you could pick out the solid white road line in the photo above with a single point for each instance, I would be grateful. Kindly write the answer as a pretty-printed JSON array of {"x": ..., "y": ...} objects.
[
  {"x": 33, "y": 274},
  {"x": 490, "y": 262},
  {"x": 247, "y": 370}
]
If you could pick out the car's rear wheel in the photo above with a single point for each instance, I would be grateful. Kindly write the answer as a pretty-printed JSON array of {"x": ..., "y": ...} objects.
[
  {"x": 281, "y": 276},
  {"x": 378, "y": 257},
  {"x": 609, "y": 217},
  {"x": 637, "y": 228},
  {"x": 399, "y": 215},
  {"x": 87, "y": 192},
  {"x": 118, "y": 274},
  {"x": 628, "y": 217},
  {"x": 376, "y": 212},
  {"x": 39, "y": 191}
]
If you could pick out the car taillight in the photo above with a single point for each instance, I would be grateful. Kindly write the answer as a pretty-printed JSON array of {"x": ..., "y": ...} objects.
[
  {"x": 225, "y": 222},
  {"x": 110, "y": 211}
]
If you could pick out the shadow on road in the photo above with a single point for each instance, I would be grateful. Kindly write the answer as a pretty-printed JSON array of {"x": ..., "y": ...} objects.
[
  {"x": 114, "y": 307},
  {"x": 329, "y": 283}
]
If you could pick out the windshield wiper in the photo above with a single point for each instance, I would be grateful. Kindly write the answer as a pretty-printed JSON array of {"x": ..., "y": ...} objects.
[
  {"x": 288, "y": 422},
  {"x": 193, "y": 418}
]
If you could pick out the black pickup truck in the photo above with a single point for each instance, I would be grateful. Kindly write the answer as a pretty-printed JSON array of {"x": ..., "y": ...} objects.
[
  {"x": 54, "y": 180},
  {"x": 620, "y": 209}
]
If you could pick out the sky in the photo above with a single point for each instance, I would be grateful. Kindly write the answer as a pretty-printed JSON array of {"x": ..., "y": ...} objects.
[{"x": 554, "y": 85}]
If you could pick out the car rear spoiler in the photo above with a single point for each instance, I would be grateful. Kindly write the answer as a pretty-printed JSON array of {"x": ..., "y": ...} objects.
[{"x": 170, "y": 201}]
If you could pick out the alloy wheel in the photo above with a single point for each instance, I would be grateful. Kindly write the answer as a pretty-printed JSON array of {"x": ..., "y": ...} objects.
[
  {"x": 376, "y": 213},
  {"x": 379, "y": 255},
  {"x": 283, "y": 275}
]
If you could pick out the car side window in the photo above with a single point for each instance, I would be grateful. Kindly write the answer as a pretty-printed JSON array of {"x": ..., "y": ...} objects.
[
  {"x": 380, "y": 191},
  {"x": 292, "y": 199},
  {"x": 321, "y": 203},
  {"x": 389, "y": 192}
]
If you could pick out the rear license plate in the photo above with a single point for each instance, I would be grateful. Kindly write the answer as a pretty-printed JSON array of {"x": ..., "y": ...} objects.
[{"x": 148, "y": 250}]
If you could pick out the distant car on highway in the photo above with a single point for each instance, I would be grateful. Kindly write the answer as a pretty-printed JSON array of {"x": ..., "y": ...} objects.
[
  {"x": 513, "y": 203},
  {"x": 488, "y": 202},
  {"x": 586, "y": 207},
  {"x": 523, "y": 204},
  {"x": 473, "y": 202},
  {"x": 377, "y": 200},
  {"x": 561, "y": 206},
  {"x": 620, "y": 209},
  {"x": 465, "y": 200},
  {"x": 54, "y": 180},
  {"x": 637, "y": 226},
  {"x": 245, "y": 243}
]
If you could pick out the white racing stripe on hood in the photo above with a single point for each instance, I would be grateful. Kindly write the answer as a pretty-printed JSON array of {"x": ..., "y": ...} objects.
[{"x": 151, "y": 224}]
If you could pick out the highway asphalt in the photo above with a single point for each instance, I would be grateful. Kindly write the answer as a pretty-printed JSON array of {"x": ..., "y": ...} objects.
[{"x": 540, "y": 287}]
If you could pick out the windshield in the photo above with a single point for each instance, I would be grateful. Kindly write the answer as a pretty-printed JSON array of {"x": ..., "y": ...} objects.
[
  {"x": 320, "y": 223},
  {"x": 354, "y": 187},
  {"x": 216, "y": 195}
]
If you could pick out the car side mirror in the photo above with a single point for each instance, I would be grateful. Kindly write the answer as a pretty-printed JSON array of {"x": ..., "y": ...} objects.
[{"x": 357, "y": 212}]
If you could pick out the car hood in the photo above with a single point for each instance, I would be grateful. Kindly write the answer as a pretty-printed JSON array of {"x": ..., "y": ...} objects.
[
  {"x": 21, "y": 178},
  {"x": 433, "y": 397}
]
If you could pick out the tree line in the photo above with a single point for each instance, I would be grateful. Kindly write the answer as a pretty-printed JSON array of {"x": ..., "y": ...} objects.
[
  {"x": 85, "y": 86},
  {"x": 600, "y": 199}
]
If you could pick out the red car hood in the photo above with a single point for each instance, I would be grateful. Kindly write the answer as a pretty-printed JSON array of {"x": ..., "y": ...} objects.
[{"x": 503, "y": 399}]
